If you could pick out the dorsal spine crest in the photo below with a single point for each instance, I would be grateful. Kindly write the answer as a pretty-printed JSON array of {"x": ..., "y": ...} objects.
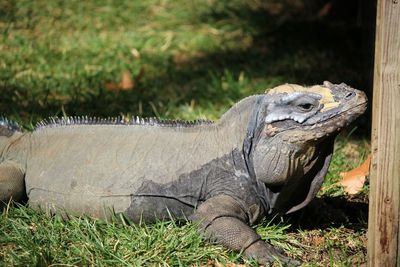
[{"x": 120, "y": 120}]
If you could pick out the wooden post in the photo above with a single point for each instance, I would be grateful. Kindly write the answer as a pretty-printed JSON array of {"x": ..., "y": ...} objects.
[{"x": 383, "y": 226}]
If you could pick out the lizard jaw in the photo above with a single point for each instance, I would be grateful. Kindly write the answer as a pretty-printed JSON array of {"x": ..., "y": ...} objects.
[{"x": 293, "y": 130}]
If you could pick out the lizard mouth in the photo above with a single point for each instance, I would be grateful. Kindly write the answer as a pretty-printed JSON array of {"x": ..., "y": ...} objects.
[
  {"x": 336, "y": 121},
  {"x": 319, "y": 126}
]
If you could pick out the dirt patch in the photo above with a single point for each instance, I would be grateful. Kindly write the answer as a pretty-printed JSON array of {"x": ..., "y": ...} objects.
[{"x": 325, "y": 247}]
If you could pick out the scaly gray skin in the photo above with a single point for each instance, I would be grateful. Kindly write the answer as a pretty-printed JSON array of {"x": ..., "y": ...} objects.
[{"x": 268, "y": 154}]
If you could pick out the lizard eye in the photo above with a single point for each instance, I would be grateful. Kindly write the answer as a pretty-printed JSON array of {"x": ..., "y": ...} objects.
[
  {"x": 349, "y": 95},
  {"x": 305, "y": 106}
]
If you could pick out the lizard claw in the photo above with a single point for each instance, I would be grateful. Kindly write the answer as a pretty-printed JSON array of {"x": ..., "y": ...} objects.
[{"x": 267, "y": 254}]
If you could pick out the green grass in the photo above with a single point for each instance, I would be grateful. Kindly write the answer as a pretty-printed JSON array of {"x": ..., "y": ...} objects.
[
  {"x": 31, "y": 238},
  {"x": 198, "y": 58}
]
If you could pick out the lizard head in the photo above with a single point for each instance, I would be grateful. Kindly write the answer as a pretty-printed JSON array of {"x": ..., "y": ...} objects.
[
  {"x": 301, "y": 114},
  {"x": 293, "y": 138},
  {"x": 294, "y": 124}
]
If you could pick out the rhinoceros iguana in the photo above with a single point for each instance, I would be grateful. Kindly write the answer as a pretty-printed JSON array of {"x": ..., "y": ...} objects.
[{"x": 268, "y": 154}]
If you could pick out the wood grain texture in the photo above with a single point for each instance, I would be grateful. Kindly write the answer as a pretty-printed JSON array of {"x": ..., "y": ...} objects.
[{"x": 383, "y": 226}]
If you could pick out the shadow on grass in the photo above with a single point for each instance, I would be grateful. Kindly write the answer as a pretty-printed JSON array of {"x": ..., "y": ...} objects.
[
  {"x": 328, "y": 212},
  {"x": 284, "y": 48}
]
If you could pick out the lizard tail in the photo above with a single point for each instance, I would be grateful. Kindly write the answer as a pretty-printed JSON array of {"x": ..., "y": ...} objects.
[{"x": 7, "y": 127}]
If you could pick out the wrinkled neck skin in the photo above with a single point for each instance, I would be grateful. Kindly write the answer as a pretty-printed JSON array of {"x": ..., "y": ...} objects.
[
  {"x": 275, "y": 161},
  {"x": 233, "y": 127},
  {"x": 11, "y": 147},
  {"x": 292, "y": 172}
]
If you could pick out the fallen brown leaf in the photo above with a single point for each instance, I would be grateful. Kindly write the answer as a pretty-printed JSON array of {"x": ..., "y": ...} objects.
[
  {"x": 126, "y": 83},
  {"x": 353, "y": 180}
]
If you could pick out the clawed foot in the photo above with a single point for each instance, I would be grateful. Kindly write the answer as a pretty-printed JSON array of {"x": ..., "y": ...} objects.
[{"x": 267, "y": 254}]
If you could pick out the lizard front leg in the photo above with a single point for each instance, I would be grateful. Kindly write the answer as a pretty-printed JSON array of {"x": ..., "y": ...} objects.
[
  {"x": 223, "y": 220},
  {"x": 12, "y": 185}
]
